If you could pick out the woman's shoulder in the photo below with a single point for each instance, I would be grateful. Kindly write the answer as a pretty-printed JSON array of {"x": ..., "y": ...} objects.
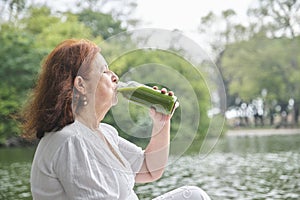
[
  {"x": 54, "y": 141},
  {"x": 74, "y": 133},
  {"x": 60, "y": 135}
]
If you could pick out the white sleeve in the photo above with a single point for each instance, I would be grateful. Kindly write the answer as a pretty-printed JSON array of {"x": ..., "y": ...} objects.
[
  {"x": 133, "y": 153},
  {"x": 81, "y": 174}
]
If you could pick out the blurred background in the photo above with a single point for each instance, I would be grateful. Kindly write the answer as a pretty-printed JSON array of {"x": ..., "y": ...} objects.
[{"x": 255, "y": 46}]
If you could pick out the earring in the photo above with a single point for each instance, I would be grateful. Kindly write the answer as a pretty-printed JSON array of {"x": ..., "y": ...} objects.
[{"x": 84, "y": 99}]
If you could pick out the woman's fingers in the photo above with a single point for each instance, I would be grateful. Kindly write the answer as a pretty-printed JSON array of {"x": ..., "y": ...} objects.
[
  {"x": 155, "y": 87},
  {"x": 171, "y": 93},
  {"x": 164, "y": 91}
]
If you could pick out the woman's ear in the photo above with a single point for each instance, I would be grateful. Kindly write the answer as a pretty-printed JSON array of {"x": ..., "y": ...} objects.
[{"x": 80, "y": 84}]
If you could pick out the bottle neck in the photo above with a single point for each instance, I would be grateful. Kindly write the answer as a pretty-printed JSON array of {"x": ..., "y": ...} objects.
[{"x": 128, "y": 84}]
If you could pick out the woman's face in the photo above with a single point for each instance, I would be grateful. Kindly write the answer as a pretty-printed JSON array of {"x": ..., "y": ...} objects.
[{"x": 103, "y": 86}]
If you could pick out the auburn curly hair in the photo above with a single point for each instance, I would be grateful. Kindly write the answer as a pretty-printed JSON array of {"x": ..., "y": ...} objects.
[{"x": 50, "y": 106}]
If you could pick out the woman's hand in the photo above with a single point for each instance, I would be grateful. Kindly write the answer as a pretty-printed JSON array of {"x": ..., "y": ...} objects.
[{"x": 160, "y": 119}]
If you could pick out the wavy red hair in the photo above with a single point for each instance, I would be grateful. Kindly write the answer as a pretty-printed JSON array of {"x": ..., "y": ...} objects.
[{"x": 50, "y": 106}]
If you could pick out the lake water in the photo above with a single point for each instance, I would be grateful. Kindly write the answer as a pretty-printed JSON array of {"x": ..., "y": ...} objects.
[{"x": 266, "y": 167}]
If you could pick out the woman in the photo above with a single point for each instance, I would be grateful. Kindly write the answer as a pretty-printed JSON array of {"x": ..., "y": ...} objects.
[{"x": 78, "y": 157}]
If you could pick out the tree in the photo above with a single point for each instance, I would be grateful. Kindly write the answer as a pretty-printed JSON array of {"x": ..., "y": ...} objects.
[
  {"x": 118, "y": 10},
  {"x": 11, "y": 10},
  {"x": 261, "y": 64},
  {"x": 57, "y": 32},
  {"x": 240, "y": 53},
  {"x": 100, "y": 23},
  {"x": 276, "y": 17},
  {"x": 18, "y": 66},
  {"x": 222, "y": 30},
  {"x": 37, "y": 18}
]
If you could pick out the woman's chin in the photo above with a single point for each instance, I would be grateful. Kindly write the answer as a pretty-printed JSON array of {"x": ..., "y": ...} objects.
[{"x": 115, "y": 101}]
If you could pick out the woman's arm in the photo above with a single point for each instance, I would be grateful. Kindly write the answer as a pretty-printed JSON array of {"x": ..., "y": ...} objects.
[{"x": 157, "y": 151}]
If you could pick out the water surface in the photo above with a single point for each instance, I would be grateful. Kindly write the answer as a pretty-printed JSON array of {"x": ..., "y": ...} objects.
[{"x": 265, "y": 167}]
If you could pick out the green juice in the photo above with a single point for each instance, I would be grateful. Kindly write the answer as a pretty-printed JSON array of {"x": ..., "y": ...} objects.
[{"x": 147, "y": 96}]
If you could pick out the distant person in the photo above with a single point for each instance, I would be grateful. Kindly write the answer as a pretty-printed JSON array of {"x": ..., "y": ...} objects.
[
  {"x": 258, "y": 112},
  {"x": 296, "y": 114},
  {"x": 78, "y": 157}
]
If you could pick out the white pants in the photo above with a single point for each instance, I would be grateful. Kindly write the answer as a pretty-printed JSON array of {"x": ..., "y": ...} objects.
[{"x": 184, "y": 193}]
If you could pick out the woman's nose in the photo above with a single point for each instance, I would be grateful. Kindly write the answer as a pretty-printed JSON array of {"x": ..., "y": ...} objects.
[{"x": 114, "y": 78}]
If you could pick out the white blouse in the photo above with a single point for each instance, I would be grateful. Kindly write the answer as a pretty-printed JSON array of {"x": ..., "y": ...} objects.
[{"x": 75, "y": 163}]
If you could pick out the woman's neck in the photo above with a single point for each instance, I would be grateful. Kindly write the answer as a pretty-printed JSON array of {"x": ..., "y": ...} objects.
[
  {"x": 90, "y": 117},
  {"x": 88, "y": 121}
]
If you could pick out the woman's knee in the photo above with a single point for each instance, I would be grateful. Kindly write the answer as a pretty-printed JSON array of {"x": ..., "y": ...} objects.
[
  {"x": 185, "y": 193},
  {"x": 194, "y": 192}
]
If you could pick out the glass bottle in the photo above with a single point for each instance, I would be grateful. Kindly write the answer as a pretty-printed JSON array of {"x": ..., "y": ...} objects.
[{"x": 147, "y": 96}]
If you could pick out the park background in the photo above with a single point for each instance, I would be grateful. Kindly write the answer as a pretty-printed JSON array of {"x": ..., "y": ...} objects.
[{"x": 257, "y": 55}]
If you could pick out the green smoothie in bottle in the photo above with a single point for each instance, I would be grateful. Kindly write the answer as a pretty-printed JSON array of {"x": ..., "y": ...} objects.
[{"x": 147, "y": 96}]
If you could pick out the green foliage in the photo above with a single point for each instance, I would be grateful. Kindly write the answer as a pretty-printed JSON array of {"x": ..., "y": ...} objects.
[
  {"x": 277, "y": 17},
  {"x": 18, "y": 57},
  {"x": 263, "y": 63},
  {"x": 18, "y": 66},
  {"x": 57, "y": 32},
  {"x": 101, "y": 24},
  {"x": 9, "y": 103},
  {"x": 38, "y": 18}
]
